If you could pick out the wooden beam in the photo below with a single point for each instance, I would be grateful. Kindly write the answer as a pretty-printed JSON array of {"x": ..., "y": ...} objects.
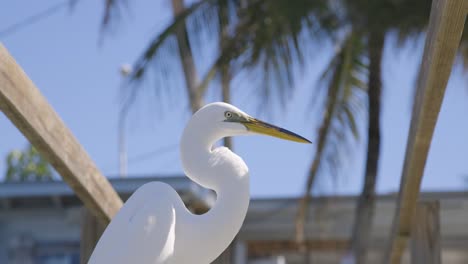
[
  {"x": 25, "y": 106},
  {"x": 446, "y": 23},
  {"x": 425, "y": 236}
]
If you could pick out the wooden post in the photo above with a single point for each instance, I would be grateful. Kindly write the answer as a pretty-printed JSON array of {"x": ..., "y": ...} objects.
[
  {"x": 225, "y": 257},
  {"x": 446, "y": 23},
  {"x": 425, "y": 235},
  {"x": 240, "y": 254},
  {"x": 91, "y": 231},
  {"x": 233, "y": 254},
  {"x": 25, "y": 106}
]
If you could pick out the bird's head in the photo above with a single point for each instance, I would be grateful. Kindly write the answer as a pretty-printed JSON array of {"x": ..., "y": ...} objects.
[{"x": 233, "y": 121}]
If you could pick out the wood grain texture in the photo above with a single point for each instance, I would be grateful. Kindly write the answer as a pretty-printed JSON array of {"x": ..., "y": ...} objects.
[
  {"x": 30, "y": 112},
  {"x": 446, "y": 23},
  {"x": 425, "y": 236}
]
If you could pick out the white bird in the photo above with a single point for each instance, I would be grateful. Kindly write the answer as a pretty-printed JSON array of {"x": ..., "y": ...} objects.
[{"x": 154, "y": 226}]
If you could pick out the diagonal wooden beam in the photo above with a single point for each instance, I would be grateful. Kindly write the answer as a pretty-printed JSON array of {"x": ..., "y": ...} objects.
[
  {"x": 30, "y": 112},
  {"x": 445, "y": 30}
]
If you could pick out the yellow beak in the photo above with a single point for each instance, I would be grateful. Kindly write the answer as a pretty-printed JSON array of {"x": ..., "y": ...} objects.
[{"x": 264, "y": 128}]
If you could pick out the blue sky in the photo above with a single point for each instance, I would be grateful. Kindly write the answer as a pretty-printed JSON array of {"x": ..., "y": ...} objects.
[{"x": 79, "y": 76}]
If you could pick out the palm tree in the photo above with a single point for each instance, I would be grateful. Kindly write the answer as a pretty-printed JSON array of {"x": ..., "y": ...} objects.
[
  {"x": 251, "y": 47},
  {"x": 376, "y": 20},
  {"x": 271, "y": 52},
  {"x": 366, "y": 202},
  {"x": 344, "y": 82}
]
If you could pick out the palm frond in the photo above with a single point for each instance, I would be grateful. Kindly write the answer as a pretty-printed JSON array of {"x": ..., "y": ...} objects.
[
  {"x": 112, "y": 12},
  {"x": 269, "y": 37},
  {"x": 156, "y": 44},
  {"x": 339, "y": 127},
  {"x": 275, "y": 36},
  {"x": 158, "y": 62}
]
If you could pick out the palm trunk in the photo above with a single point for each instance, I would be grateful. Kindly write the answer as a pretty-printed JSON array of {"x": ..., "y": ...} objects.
[
  {"x": 366, "y": 202},
  {"x": 304, "y": 202},
  {"x": 332, "y": 99},
  {"x": 225, "y": 86},
  {"x": 302, "y": 211},
  {"x": 186, "y": 58},
  {"x": 225, "y": 71}
]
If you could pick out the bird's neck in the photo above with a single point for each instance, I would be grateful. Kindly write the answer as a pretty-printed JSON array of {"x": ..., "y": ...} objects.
[{"x": 224, "y": 172}]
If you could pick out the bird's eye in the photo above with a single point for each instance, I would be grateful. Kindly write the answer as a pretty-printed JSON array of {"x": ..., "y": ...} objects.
[{"x": 228, "y": 114}]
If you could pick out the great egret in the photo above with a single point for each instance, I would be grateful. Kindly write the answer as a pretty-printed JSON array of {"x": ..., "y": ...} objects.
[{"x": 154, "y": 226}]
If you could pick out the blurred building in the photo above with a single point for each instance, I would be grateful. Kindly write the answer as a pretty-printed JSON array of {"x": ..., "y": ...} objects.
[{"x": 43, "y": 223}]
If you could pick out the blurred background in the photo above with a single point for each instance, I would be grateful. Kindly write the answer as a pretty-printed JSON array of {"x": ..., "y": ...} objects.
[{"x": 125, "y": 76}]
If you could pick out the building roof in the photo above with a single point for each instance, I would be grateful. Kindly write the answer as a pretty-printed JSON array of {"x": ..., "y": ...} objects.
[
  {"x": 50, "y": 193},
  {"x": 330, "y": 218}
]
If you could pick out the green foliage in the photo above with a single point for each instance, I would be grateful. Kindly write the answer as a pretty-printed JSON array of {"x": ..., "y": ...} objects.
[
  {"x": 27, "y": 165},
  {"x": 271, "y": 40},
  {"x": 266, "y": 39}
]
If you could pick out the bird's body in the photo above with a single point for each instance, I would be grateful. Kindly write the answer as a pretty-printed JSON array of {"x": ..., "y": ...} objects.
[{"x": 154, "y": 226}]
